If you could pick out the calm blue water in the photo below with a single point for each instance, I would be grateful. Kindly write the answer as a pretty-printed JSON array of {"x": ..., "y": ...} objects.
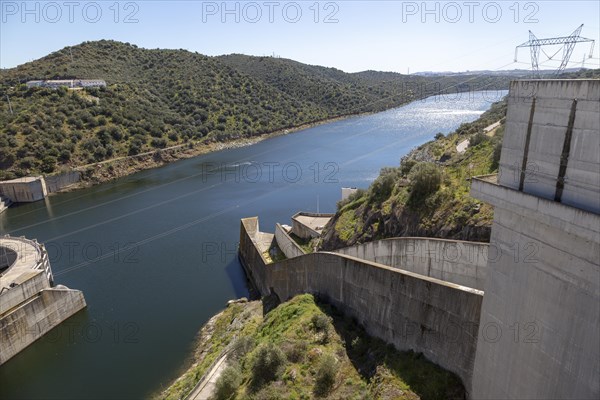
[{"x": 155, "y": 252}]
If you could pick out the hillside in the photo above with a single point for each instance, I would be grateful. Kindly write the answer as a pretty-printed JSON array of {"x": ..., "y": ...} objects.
[
  {"x": 160, "y": 98},
  {"x": 342, "y": 93},
  {"x": 428, "y": 194},
  {"x": 305, "y": 349}
]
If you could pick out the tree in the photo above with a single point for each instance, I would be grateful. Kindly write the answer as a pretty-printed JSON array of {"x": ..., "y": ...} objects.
[
  {"x": 48, "y": 164},
  {"x": 326, "y": 374},
  {"x": 228, "y": 383},
  {"x": 425, "y": 179},
  {"x": 268, "y": 363}
]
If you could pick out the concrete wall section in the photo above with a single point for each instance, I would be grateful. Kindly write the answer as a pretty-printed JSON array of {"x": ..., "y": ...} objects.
[
  {"x": 54, "y": 183},
  {"x": 27, "y": 286},
  {"x": 24, "y": 190},
  {"x": 458, "y": 262},
  {"x": 541, "y": 310},
  {"x": 30, "y": 322},
  {"x": 288, "y": 245},
  {"x": 556, "y": 102},
  {"x": 410, "y": 311},
  {"x": 250, "y": 257},
  {"x": 308, "y": 225}
]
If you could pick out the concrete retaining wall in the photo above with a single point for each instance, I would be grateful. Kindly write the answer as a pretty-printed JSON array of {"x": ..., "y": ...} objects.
[
  {"x": 288, "y": 245},
  {"x": 31, "y": 321},
  {"x": 54, "y": 183},
  {"x": 458, "y": 262},
  {"x": 410, "y": 311}
]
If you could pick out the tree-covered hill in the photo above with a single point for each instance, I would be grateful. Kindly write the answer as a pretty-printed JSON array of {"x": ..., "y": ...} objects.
[
  {"x": 341, "y": 92},
  {"x": 160, "y": 98}
]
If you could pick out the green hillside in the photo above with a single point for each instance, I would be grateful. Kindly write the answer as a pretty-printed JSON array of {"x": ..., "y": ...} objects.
[
  {"x": 304, "y": 349},
  {"x": 428, "y": 194},
  {"x": 161, "y": 98}
]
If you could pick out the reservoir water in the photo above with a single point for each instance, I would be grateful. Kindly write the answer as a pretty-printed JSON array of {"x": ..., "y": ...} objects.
[{"x": 155, "y": 252}]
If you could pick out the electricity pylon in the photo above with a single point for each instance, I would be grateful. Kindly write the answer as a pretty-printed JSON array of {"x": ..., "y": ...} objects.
[{"x": 567, "y": 42}]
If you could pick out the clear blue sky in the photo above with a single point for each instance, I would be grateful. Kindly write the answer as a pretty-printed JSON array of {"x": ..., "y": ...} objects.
[{"x": 349, "y": 35}]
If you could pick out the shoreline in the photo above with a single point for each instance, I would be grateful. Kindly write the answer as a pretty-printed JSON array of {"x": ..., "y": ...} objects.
[{"x": 109, "y": 170}]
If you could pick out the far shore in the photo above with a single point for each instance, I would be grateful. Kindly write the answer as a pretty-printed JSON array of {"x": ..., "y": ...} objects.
[{"x": 108, "y": 170}]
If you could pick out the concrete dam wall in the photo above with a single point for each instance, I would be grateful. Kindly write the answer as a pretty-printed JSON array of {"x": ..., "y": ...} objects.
[
  {"x": 551, "y": 141},
  {"x": 542, "y": 293},
  {"x": 459, "y": 262},
  {"x": 410, "y": 311}
]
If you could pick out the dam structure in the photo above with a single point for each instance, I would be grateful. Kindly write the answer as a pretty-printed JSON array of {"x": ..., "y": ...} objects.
[
  {"x": 516, "y": 318},
  {"x": 542, "y": 294},
  {"x": 417, "y": 301},
  {"x": 30, "y": 303}
]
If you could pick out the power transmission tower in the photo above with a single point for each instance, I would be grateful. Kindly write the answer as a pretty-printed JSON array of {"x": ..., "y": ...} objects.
[{"x": 567, "y": 42}]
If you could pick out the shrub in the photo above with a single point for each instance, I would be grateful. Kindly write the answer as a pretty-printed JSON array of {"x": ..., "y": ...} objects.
[
  {"x": 382, "y": 187},
  {"x": 320, "y": 322},
  {"x": 228, "y": 383},
  {"x": 439, "y": 135},
  {"x": 48, "y": 164},
  {"x": 267, "y": 364},
  {"x": 326, "y": 374},
  {"x": 242, "y": 346},
  {"x": 295, "y": 351},
  {"x": 425, "y": 179},
  {"x": 116, "y": 133},
  {"x": 134, "y": 148},
  {"x": 406, "y": 166},
  {"x": 477, "y": 139},
  {"x": 159, "y": 143},
  {"x": 27, "y": 162}
]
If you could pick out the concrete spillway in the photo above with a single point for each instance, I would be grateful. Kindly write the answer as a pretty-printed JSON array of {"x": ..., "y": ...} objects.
[{"x": 30, "y": 304}]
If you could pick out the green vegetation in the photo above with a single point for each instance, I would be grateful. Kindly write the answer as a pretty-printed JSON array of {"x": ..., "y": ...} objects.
[
  {"x": 284, "y": 356},
  {"x": 267, "y": 364},
  {"x": 216, "y": 336},
  {"x": 228, "y": 383},
  {"x": 428, "y": 194},
  {"x": 161, "y": 98},
  {"x": 425, "y": 179}
]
